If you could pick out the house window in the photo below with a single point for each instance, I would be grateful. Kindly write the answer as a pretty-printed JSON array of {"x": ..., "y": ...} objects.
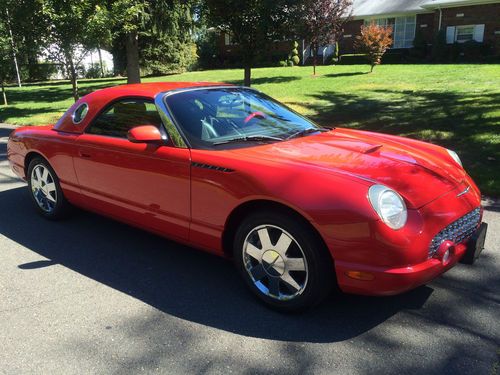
[
  {"x": 464, "y": 34},
  {"x": 403, "y": 29}
]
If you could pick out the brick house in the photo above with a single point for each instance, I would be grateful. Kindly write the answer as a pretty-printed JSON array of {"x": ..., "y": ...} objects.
[{"x": 463, "y": 20}]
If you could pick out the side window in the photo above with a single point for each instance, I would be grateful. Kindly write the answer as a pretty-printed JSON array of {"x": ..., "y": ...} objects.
[{"x": 124, "y": 115}]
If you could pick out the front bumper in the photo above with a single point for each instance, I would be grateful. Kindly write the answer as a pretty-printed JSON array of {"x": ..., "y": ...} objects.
[
  {"x": 393, "y": 262},
  {"x": 391, "y": 281}
]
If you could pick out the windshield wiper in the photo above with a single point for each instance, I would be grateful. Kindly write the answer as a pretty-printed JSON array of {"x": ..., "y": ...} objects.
[
  {"x": 306, "y": 131},
  {"x": 249, "y": 138}
]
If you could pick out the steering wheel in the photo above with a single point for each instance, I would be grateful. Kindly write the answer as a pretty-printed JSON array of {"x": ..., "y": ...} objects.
[{"x": 253, "y": 115}]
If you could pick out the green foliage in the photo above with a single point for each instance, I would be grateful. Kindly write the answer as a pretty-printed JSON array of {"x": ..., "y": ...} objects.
[
  {"x": 6, "y": 67},
  {"x": 208, "y": 50},
  {"x": 167, "y": 44},
  {"x": 164, "y": 30},
  {"x": 253, "y": 25}
]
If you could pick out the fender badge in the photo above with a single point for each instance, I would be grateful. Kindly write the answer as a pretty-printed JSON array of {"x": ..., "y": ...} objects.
[{"x": 464, "y": 192}]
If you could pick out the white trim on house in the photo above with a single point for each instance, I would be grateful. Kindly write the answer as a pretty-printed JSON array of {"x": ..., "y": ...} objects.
[
  {"x": 434, "y": 4},
  {"x": 363, "y": 9}
]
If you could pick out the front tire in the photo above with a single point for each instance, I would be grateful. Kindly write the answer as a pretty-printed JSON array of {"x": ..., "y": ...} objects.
[
  {"x": 45, "y": 190},
  {"x": 283, "y": 261}
]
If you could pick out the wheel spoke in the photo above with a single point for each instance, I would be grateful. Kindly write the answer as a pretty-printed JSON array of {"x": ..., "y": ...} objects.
[
  {"x": 50, "y": 187},
  {"x": 50, "y": 198},
  {"x": 283, "y": 244},
  {"x": 35, "y": 184},
  {"x": 254, "y": 252},
  {"x": 290, "y": 282},
  {"x": 258, "y": 272},
  {"x": 38, "y": 175},
  {"x": 295, "y": 264},
  {"x": 264, "y": 238},
  {"x": 45, "y": 174},
  {"x": 274, "y": 286}
]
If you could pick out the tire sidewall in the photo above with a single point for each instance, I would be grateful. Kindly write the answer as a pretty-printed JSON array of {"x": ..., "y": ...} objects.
[{"x": 320, "y": 266}]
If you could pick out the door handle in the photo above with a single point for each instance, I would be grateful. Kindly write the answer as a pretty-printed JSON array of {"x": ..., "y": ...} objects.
[{"x": 85, "y": 155}]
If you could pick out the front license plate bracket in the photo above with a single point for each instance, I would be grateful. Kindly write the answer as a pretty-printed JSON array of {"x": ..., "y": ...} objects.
[{"x": 475, "y": 245}]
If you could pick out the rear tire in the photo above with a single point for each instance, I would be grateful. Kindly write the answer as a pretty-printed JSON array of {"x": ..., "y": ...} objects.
[
  {"x": 283, "y": 261},
  {"x": 45, "y": 190}
]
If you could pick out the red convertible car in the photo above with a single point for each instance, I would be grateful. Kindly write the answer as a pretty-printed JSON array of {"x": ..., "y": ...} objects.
[{"x": 229, "y": 170}]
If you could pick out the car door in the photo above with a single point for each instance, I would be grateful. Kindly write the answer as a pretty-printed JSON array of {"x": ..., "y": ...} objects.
[{"x": 144, "y": 184}]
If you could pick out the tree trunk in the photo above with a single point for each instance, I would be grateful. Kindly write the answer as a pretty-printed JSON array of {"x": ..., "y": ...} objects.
[
  {"x": 13, "y": 46},
  {"x": 4, "y": 94},
  {"x": 315, "y": 57},
  {"x": 132, "y": 47},
  {"x": 248, "y": 76},
  {"x": 73, "y": 78},
  {"x": 372, "y": 66},
  {"x": 100, "y": 61}
]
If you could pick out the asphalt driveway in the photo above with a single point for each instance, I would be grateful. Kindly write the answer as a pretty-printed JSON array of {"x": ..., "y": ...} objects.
[{"x": 89, "y": 295}]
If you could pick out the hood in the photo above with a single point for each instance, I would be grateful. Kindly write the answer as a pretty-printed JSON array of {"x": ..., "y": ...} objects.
[{"x": 420, "y": 172}]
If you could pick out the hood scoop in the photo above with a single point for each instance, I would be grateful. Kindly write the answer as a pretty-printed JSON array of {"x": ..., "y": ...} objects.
[{"x": 355, "y": 145}]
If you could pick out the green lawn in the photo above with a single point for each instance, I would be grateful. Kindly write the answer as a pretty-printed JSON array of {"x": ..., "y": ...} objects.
[{"x": 457, "y": 106}]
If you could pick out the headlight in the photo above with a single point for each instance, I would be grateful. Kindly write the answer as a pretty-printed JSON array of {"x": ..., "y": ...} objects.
[
  {"x": 455, "y": 157},
  {"x": 389, "y": 206}
]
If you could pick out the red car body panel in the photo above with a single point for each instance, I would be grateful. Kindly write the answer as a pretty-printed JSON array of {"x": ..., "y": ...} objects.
[{"x": 325, "y": 178}]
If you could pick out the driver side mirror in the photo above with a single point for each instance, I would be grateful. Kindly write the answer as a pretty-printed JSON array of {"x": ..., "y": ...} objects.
[{"x": 145, "y": 134}]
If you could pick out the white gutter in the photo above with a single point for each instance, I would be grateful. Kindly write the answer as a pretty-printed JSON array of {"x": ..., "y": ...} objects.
[{"x": 440, "y": 17}]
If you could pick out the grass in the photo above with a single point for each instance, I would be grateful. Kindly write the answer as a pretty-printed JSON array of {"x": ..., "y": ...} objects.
[{"x": 457, "y": 106}]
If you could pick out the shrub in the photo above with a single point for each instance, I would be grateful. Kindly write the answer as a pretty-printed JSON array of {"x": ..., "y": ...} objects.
[
  {"x": 373, "y": 41},
  {"x": 294, "y": 54}
]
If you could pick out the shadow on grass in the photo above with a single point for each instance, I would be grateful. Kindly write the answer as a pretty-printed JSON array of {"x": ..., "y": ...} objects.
[
  {"x": 9, "y": 112},
  {"x": 347, "y": 74},
  {"x": 68, "y": 83},
  {"x": 468, "y": 123},
  {"x": 266, "y": 80}
]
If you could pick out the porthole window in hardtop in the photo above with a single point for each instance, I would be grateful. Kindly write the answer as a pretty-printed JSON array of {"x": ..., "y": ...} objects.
[{"x": 80, "y": 113}]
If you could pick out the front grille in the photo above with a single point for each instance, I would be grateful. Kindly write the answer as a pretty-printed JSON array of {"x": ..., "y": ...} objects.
[{"x": 458, "y": 231}]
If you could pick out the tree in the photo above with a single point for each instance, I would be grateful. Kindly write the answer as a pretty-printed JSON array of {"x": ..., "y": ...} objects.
[
  {"x": 5, "y": 59},
  {"x": 128, "y": 16},
  {"x": 28, "y": 28},
  {"x": 73, "y": 27},
  {"x": 373, "y": 41},
  {"x": 323, "y": 22},
  {"x": 250, "y": 24},
  {"x": 167, "y": 43}
]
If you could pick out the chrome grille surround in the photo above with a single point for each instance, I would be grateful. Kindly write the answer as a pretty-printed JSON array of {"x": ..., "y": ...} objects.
[{"x": 458, "y": 231}]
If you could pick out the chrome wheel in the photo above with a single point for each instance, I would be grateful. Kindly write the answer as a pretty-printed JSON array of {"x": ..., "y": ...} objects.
[
  {"x": 275, "y": 262},
  {"x": 43, "y": 188}
]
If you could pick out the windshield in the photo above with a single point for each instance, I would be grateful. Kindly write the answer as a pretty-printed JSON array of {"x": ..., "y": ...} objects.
[{"x": 215, "y": 116}]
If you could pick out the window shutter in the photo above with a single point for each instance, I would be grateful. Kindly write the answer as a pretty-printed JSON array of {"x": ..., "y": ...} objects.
[
  {"x": 478, "y": 33},
  {"x": 450, "y": 34}
]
